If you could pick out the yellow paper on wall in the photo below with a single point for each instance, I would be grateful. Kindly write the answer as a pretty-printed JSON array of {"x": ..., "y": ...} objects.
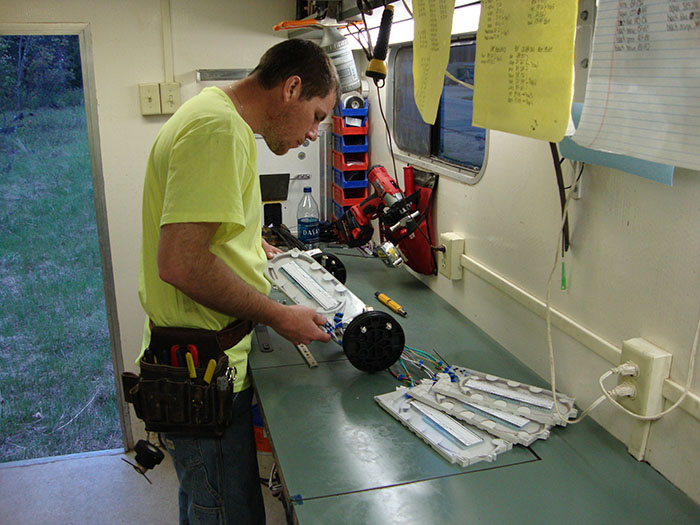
[
  {"x": 523, "y": 73},
  {"x": 431, "y": 52}
]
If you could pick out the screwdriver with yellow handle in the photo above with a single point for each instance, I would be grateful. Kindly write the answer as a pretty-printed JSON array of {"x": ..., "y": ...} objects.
[
  {"x": 190, "y": 365},
  {"x": 386, "y": 300},
  {"x": 211, "y": 365}
]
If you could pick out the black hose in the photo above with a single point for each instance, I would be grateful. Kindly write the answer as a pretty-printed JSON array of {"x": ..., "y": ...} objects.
[{"x": 562, "y": 193}]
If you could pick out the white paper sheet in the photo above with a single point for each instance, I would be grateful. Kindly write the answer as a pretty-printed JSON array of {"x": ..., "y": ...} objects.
[{"x": 643, "y": 92}]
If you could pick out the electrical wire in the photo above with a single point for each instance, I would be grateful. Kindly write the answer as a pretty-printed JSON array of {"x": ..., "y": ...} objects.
[
  {"x": 356, "y": 37},
  {"x": 578, "y": 177},
  {"x": 388, "y": 132},
  {"x": 369, "y": 37},
  {"x": 562, "y": 193},
  {"x": 423, "y": 362},
  {"x": 548, "y": 319}
]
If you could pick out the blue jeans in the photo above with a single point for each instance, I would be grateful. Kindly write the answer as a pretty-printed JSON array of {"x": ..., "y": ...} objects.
[{"x": 219, "y": 477}]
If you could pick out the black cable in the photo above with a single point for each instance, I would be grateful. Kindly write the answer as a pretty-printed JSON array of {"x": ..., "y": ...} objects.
[
  {"x": 562, "y": 194},
  {"x": 287, "y": 237},
  {"x": 578, "y": 177},
  {"x": 364, "y": 22},
  {"x": 356, "y": 36},
  {"x": 388, "y": 133}
]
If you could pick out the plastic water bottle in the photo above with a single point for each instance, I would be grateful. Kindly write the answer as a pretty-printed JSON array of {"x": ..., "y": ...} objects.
[{"x": 307, "y": 219}]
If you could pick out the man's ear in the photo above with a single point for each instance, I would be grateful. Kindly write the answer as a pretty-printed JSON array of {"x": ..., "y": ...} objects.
[{"x": 292, "y": 88}]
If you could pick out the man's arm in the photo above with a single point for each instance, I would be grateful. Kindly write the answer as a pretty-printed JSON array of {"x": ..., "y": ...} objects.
[{"x": 185, "y": 262}]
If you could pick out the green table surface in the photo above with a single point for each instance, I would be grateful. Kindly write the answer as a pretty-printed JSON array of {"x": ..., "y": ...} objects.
[{"x": 343, "y": 459}]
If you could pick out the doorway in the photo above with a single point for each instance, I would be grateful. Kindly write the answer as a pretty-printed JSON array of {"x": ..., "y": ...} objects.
[{"x": 58, "y": 330}]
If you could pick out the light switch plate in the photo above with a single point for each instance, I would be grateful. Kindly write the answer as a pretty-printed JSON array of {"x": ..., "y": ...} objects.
[
  {"x": 149, "y": 97},
  {"x": 169, "y": 97}
]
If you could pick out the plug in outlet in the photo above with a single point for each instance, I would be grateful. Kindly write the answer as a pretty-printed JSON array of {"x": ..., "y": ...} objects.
[
  {"x": 449, "y": 261},
  {"x": 654, "y": 367}
]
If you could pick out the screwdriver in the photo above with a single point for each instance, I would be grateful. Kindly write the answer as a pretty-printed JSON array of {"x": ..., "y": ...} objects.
[
  {"x": 386, "y": 300},
  {"x": 209, "y": 372},
  {"x": 191, "y": 366}
]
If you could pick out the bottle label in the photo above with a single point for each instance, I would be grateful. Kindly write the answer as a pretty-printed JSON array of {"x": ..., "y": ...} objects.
[{"x": 307, "y": 230}]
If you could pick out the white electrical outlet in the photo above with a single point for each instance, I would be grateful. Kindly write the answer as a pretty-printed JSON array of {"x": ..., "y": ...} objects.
[
  {"x": 654, "y": 367},
  {"x": 449, "y": 261}
]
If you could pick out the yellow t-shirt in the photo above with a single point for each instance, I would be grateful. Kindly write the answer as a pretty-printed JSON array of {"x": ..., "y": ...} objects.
[{"x": 203, "y": 168}]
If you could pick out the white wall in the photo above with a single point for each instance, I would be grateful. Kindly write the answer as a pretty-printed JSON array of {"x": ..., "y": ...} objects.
[
  {"x": 634, "y": 254},
  {"x": 127, "y": 50}
]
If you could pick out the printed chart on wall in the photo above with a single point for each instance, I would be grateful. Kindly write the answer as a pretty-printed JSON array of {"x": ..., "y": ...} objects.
[
  {"x": 523, "y": 75},
  {"x": 643, "y": 96}
]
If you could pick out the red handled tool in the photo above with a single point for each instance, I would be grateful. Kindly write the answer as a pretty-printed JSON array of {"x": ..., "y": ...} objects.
[
  {"x": 195, "y": 354},
  {"x": 174, "y": 355}
]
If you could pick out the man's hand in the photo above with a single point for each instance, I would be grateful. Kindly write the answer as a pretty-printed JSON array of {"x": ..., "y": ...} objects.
[
  {"x": 301, "y": 324},
  {"x": 270, "y": 251}
]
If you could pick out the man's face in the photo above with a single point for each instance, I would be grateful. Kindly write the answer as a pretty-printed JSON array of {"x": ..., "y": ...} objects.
[{"x": 296, "y": 121}]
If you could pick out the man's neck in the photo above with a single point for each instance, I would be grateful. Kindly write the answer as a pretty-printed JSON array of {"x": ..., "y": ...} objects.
[{"x": 250, "y": 99}]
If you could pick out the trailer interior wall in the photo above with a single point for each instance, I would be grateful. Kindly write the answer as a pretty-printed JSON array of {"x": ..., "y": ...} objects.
[{"x": 633, "y": 266}]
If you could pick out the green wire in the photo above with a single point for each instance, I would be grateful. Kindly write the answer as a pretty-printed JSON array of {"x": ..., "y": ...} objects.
[
  {"x": 406, "y": 370},
  {"x": 563, "y": 276},
  {"x": 422, "y": 353}
]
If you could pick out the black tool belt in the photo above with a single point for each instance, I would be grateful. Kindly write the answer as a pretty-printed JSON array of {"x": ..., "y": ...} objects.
[{"x": 186, "y": 385}]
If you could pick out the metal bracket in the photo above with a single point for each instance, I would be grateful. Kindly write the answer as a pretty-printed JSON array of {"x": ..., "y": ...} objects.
[{"x": 307, "y": 355}]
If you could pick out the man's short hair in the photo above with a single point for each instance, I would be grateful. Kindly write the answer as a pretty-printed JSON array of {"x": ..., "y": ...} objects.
[{"x": 304, "y": 59}]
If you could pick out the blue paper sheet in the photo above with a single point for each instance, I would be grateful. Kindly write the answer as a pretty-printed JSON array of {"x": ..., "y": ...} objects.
[{"x": 651, "y": 170}]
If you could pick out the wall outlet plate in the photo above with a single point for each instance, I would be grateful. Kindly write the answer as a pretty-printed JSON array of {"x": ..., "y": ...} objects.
[
  {"x": 450, "y": 261},
  {"x": 654, "y": 367}
]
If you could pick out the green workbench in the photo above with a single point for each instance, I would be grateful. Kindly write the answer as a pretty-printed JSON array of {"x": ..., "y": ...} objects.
[{"x": 343, "y": 459}]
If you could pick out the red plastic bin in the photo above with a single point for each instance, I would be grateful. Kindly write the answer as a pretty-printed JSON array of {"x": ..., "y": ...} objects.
[
  {"x": 350, "y": 161},
  {"x": 339, "y": 127},
  {"x": 349, "y": 196}
]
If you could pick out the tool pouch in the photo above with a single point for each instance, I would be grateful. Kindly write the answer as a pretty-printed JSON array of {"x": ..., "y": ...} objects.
[{"x": 167, "y": 399}]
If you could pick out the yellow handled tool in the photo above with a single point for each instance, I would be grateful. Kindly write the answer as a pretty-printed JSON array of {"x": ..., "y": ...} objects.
[
  {"x": 385, "y": 299},
  {"x": 190, "y": 366},
  {"x": 209, "y": 373}
]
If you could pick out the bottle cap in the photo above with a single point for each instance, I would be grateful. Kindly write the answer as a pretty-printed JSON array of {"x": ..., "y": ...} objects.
[{"x": 307, "y": 189}]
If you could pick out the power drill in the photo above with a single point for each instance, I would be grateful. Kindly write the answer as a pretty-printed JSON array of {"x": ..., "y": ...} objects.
[{"x": 387, "y": 203}]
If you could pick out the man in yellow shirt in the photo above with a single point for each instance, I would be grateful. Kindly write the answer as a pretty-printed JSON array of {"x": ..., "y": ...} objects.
[{"x": 203, "y": 256}]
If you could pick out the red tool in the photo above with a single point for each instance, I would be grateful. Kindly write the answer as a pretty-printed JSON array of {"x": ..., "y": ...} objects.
[
  {"x": 174, "y": 351},
  {"x": 195, "y": 354},
  {"x": 386, "y": 203},
  {"x": 403, "y": 220}
]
